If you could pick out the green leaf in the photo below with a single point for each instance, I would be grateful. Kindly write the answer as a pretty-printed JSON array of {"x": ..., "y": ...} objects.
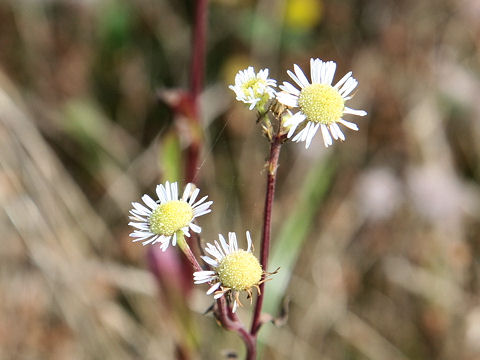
[{"x": 170, "y": 157}]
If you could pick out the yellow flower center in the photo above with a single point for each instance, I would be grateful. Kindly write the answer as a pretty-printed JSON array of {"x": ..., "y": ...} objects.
[
  {"x": 321, "y": 103},
  {"x": 170, "y": 217},
  {"x": 258, "y": 87},
  {"x": 239, "y": 270}
]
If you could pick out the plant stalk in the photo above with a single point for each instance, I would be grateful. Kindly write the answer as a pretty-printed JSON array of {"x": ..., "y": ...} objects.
[
  {"x": 183, "y": 245},
  {"x": 197, "y": 73},
  {"x": 267, "y": 217},
  {"x": 231, "y": 322}
]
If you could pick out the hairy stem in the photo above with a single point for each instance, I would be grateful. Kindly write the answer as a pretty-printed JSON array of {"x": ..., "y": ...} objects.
[{"x": 267, "y": 217}]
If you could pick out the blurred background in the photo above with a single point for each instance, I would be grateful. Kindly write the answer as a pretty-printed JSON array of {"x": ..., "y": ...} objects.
[{"x": 377, "y": 238}]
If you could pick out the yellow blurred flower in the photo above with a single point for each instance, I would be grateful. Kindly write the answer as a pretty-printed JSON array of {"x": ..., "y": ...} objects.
[{"x": 303, "y": 14}]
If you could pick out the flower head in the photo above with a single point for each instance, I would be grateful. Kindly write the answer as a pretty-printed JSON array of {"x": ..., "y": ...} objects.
[
  {"x": 320, "y": 104},
  {"x": 254, "y": 89},
  {"x": 165, "y": 219},
  {"x": 235, "y": 269}
]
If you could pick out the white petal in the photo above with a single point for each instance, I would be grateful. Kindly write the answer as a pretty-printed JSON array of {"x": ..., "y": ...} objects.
[
  {"x": 200, "y": 201},
  {"x": 293, "y": 123},
  {"x": 201, "y": 210},
  {"x": 168, "y": 192},
  {"x": 174, "y": 189},
  {"x": 218, "y": 296},
  {"x": 186, "y": 191},
  {"x": 164, "y": 246},
  {"x": 307, "y": 130},
  {"x": 323, "y": 71},
  {"x": 194, "y": 196},
  {"x": 232, "y": 240},
  {"x": 146, "y": 242},
  {"x": 209, "y": 261},
  {"x": 348, "y": 110},
  {"x": 311, "y": 134},
  {"x": 249, "y": 240},
  {"x": 164, "y": 239},
  {"x": 294, "y": 78},
  {"x": 161, "y": 193},
  {"x": 327, "y": 139},
  {"x": 301, "y": 76},
  {"x": 202, "y": 281},
  {"x": 142, "y": 210},
  {"x": 348, "y": 87},
  {"x": 330, "y": 68},
  {"x": 290, "y": 88},
  {"x": 338, "y": 131},
  {"x": 333, "y": 131},
  {"x": 291, "y": 130},
  {"x": 163, "y": 190},
  {"x": 149, "y": 202},
  {"x": 140, "y": 226},
  {"x": 299, "y": 135},
  {"x": 195, "y": 228},
  {"x": 342, "y": 80},
  {"x": 140, "y": 234},
  {"x": 144, "y": 237},
  {"x": 138, "y": 211},
  {"x": 295, "y": 119},
  {"x": 202, "y": 213},
  {"x": 348, "y": 124},
  {"x": 261, "y": 74},
  {"x": 135, "y": 217},
  {"x": 215, "y": 252},
  {"x": 219, "y": 247},
  {"x": 203, "y": 273},
  {"x": 224, "y": 244},
  {"x": 315, "y": 70},
  {"x": 287, "y": 99},
  {"x": 235, "y": 306},
  {"x": 213, "y": 288},
  {"x": 202, "y": 207}
]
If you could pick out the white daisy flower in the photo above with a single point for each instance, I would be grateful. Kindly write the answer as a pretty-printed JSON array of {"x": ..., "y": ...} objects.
[
  {"x": 235, "y": 269},
  {"x": 254, "y": 89},
  {"x": 321, "y": 105},
  {"x": 163, "y": 220}
]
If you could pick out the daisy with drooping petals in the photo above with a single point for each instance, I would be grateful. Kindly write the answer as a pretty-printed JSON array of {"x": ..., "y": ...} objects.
[
  {"x": 254, "y": 89},
  {"x": 321, "y": 105},
  {"x": 235, "y": 269},
  {"x": 163, "y": 220}
]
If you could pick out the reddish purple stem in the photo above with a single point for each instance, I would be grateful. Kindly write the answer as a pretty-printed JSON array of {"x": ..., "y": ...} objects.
[
  {"x": 191, "y": 258},
  {"x": 196, "y": 85},
  {"x": 265, "y": 246},
  {"x": 231, "y": 322},
  {"x": 198, "y": 55}
]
